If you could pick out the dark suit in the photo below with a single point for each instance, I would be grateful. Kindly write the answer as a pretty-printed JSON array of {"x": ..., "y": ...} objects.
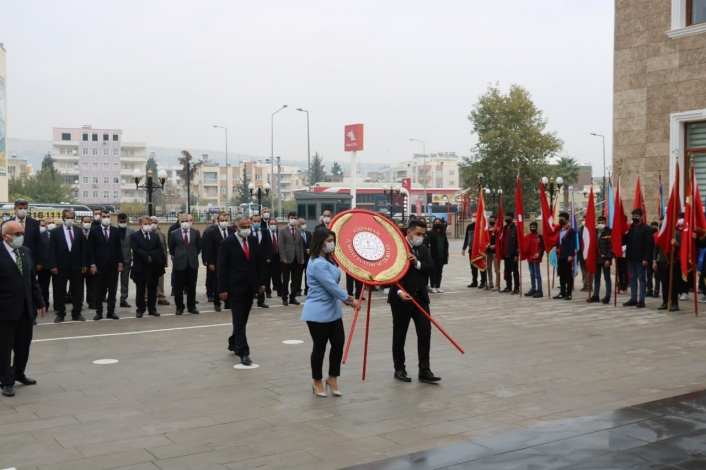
[
  {"x": 146, "y": 274},
  {"x": 567, "y": 247},
  {"x": 90, "y": 280},
  {"x": 69, "y": 264},
  {"x": 31, "y": 240},
  {"x": 415, "y": 284},
  {"x": 211, "y": 247},
  {"x": 185, "y": 265},
  {"x": 45, "y": 260},
  {"x": 306, "y": 241},
  {"x": 275, "y": 266},
  {"x": 20, "y": 297},
  {"x": 264, "y": 238},
  {"x": 240, "y": 277},
  {"x": 125, "y": 234},
  {"x": 106, "y": 256}
]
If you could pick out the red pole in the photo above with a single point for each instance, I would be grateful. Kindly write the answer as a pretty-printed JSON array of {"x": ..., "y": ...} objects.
[
  {"x": 367, "y": 331},
  {"x": 433, "y": 321},
  {"x": 355, "y": 319}
]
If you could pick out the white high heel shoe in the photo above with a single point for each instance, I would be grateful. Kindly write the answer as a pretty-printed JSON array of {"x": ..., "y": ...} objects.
[
  {"x": 335, "y": 393},
  {"x": 318, "y": 394}
]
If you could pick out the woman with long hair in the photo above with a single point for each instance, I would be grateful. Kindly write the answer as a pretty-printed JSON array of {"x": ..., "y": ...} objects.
[
  {"x": 323, "y": 313},
  {"x": 439, "y": 250}
]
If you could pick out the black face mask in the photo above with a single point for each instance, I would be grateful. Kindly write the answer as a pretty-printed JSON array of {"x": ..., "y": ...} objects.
[
  {"x": 508, "y": 221},
  {"x": 491, "y": 222},
  {"x": 654, "y": 229},
  {"x": 562, "y": 222},
  {"x": 635, "y": 221},
  {"x": 437, "y": 226},
  {"x": 533, "y": 230}
]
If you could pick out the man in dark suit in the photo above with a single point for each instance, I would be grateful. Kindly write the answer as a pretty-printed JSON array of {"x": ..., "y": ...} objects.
[
  {"x": 70, "y": 264},
  {"x": 105, "y": 254},
  {"x": 291, "y": 254},
  {"x": 174, "y": 226},
  {"x": 146, "y": 267},
  {"x": 184, "y": 248},
  {"x": 212, "y": 244},
  {"x": 275, "y": 268},
  {"x": 325, "y": 220},
  {"x": 207, "y": 258},
  {"x": 125, "y": 233},
  {"x": 86, "y": 226},
  {"x": 241, "y": 273},
  {"x": 30, "y": 227},
  {"x": 565, "y": 257},
  {"x": 44, "y": 265},
  {"x": 306, "y": 239},
  {"x": 264, "y": 241},
  {"x": 20, "y": 298},
  {"x": 414, "y": 284}
]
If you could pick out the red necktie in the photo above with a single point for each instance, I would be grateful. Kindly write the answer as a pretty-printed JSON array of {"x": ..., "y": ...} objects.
[
  {"x": 246, "y": 249},
  {"x": 186, "y": 239},
  {"x": 274, "y": 243}
]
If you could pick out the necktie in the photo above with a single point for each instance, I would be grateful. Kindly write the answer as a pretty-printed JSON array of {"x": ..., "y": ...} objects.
[
  {"x": 147, "y": 236},
  {"x": 18, "y": 260},
  {"x": 304, "y": 236},
  {"x": 246, "y": 249},
  {"x": 106, "y": 233},
  {"x": 186, "y": 239},
  {"x": 224, "y": 233},
  {"x": 294, "y": 233},
  {"x": 71, "y": 235},
  {"x": 274, "y": 243}
]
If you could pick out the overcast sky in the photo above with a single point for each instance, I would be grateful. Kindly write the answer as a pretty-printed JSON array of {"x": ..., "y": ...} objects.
[{"x": 166, "y": 71}]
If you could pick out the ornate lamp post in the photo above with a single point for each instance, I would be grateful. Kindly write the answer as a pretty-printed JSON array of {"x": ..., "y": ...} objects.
[
  {"x": 258, "y": 194},
  {"x": 149, "y": 185},
  {"x": 390, "y": 193},
  {"x": 552, "y": 187}
]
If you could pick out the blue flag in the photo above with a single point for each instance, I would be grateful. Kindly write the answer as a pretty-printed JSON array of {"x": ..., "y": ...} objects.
[{"x": 611, "y": 205}]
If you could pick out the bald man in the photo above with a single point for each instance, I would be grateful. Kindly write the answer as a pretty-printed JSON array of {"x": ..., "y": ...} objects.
[{"x": 20, "y": 299}]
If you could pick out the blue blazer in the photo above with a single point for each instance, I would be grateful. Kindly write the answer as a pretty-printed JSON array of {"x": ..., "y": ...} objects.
[
  {"x": 567, "y": 247},
  {"x": 323, "y": 304}
]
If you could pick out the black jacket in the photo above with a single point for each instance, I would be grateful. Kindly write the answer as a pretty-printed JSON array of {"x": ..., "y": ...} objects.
[
  {"x": 31, "y": 240},
  {"x": 105, "y": 255},
  {"x": 238, "y": 275},
  {"x": 63, "y": 259},
  {"x": 306, "y": 241},
  {"x": 639, "y": 243},
  {"x": 605, "y": 248},
  {"x": 143, "y": 249},
  {"x": 45, "y": 251},
  {"x": 468, "y": 241},
  {"x": 211, "y": 242},
  {"x": 493, "y": 239},
  {"x": 434, "y": 242},
  {"x": 206, "y": 246},
  {"x": 415, "y": 281},
  {"x": 266, "y": 248},
  {"x": 18, "y": 292},
  {"x": 510, "y": 240}
]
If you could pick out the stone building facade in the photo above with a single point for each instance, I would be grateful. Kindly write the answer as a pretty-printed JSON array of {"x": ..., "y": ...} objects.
[{"x": 659, "y": 101}]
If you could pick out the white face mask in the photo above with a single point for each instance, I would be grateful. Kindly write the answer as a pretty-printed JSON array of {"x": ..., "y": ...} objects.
[
  {"x": 86, "y": 225},
  {"x": 473, "y": 220},
  {"x": 329, "y": 247},
  {"x": 69, "y": 222},
  {"x": 223, "y": 224},
  {"x": 153, "y": 227},
  {"x": 21, "y": 213},
  {"x": 244, "y": 232},
  {"x": 17, "y": 242},
  {"x": 680, "y": 221},
  {"x": 600, "y": 226},
  {"x": 106, "y": 222},
  {"x": 293, "y": 222},
  {"x": 327, "y": 220},
  {"x": 51, "y": 227},
  {"x": 273, "y": 228},
  {"x": 97, "y": 217},
  {"x": 265, "y": 215},
  {"x": 185, "y": 225},
  {"x": 42, "y": 229},
  {"x": 416, "y": 241},
  {"x": 146, "y": 228},
  {"x": 303, "y": 227},
  {"x": 122, "y": 225}
]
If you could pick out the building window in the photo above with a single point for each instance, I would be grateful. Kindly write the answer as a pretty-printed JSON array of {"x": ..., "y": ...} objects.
[
  {"x": 106, "y": 137},
  {"x": 106, "y": 166},
  {"x": 236, "y": 176},
  {"x": 116, "y": 180},
  {"x": 115, "y": 152},
  {"x": 115, "y": 137},
  {"x": 95, "y": 166},
  {"x": 62, "y": 151},
  {"x": 116, "y": 166},
  {"x": 106, "y": 194},
  {"x": 95, "y": 193},
  {"x": 94, "y": 137},
  {"x": 95, "y": 180},
  {"x": 258, "y": 177},
  {"x": 95, "y": 151},
  {"x": 85, "y": 137},
  {"x": 105, "y": 151},
  {"x": 224, "y": 191},
  {"x": 116, "y": 194},
  {"x": 695, "y": 12},
  {"x": 106, "y": 179},
  {"x": 85, "y": 194},
  {"x": 65, "y": 136},
  {"x": 451, "y": 172},
  {"x": 85, "y": 151},
  {"x": 235, "y": 190},
  {"x": 84, "y": 165},
  {"x": 85, "y": 180}
]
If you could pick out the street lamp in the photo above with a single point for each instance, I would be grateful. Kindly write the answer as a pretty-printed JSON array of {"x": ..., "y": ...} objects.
[
  {"x": 149, "y": 185},
  {"x": 500, "y": 198},
  {"x": 227, "y": 172},
  {"x": 390, "y": 193},
  {"x": 308, "y": 148},
  {"x": 272, "y": 149},
  {"x": 424, "y": 183},
  {"x": 258, "y": 194},
  {"x": 552, "y": 188},
  {"x": 279, "y": 183},
  {"x": 604, "y": 167}
]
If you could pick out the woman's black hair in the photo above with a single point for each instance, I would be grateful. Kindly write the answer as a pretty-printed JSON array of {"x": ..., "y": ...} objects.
[
  {"x": 440, "y": 233},
  {"x": 317, "y": 242}
]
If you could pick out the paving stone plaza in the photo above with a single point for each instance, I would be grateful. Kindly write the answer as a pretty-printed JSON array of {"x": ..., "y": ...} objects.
[{"x": 174, "y": 400}]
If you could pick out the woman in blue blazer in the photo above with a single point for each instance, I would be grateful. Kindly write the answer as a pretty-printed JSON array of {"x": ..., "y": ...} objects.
[{"x": 323, "y": 313}]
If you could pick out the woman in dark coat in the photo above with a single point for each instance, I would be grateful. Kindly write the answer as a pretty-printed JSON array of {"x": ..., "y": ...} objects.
[{"x": 439, "y": 250}]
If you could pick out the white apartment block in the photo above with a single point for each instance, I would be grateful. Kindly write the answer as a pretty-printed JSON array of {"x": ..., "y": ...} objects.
[
  {"x": 18, "y": 168},
  {"x": 437, "y": 170},
  {"x": 99, "y": 164}
]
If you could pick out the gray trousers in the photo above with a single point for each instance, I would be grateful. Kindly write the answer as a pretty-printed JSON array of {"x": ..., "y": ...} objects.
[{"x": 124, "y": 283}]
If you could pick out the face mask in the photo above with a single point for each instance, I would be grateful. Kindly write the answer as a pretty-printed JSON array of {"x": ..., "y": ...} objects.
[
  {"x": 416, "y": 241},
  {"x": 256, "y": 225},
  {"x": 86, "y": 225},
  {"x": 51, "y": 227},
  {"x": 562, "y": 221},
  {"x": 146, "y": 228},
  {"x": 636, "y": 221},
  {"x": 42, "y": 229},
  {"x": 473, "y": 220},
  {"x": 293, "y": 222},
  {"x": 273, "y": 228},
  {"x": 437, "y": 226},
  {"x": 153, "y": 227},
  {"x": 244, "y": 232},
  {"x": 17, "y": 242},
  {"x": 600, "y": 226},
  {"x": 508, "y": 221},
  {"x": 106, "y": 222},
  {"x": 329, "y": 247},
  {"x": 122, "y": 225},
  {"x": 428, "y": 229},
  {"x": 679, "y": 221},
  {"x": 533, "y": 230},
  {"x": 185, "y": 225},
  {"x": 21, "y": 213},
  {"x": 327, "y": 220},
  {"x": 491, "y": 222},
  {"x": 69, "y": 222},
  {"x": 265, "y": 215},
  {"x": 223, "y": 224},
  {"x": 97, "y": 217},
  {"x": 654, "y": 229}
]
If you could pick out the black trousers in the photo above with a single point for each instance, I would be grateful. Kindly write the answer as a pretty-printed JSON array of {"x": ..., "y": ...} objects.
[
  {"x": 90, "y": 281},
  {"x": 664, "y": 280},
  {"x": 401, "y": 315},
  {"x": 140, "y": 286},
  {"x": 306, "y": 281},
  {"x": 240, "y": 306},
  {"x": 622, "y": 267},
  {"x": 566, "y": 277},
  {"x": 107, "y": 284},
  {"x": 512, "y": 273},
  {"x": 321, "y": 334},
  {"x": 649, "y": 278},
  {"x": 437, "y": 274},
  {"x": 185, "y": 279},
  {"x": 211, "y": 287},
  {"x": 60, "y": 281},
  {"x": 474, "y": 270},
  {"x": 274, "y": 277},
  {"x": 291, "y": 271},
  {"x": 44, "y": 278},
  {"x": 350, "y": 283},
  {"x": 14, "y": 336}
]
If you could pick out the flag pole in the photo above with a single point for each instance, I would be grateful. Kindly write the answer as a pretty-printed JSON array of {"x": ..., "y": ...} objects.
[
  {"x": 549, "y": 285},
  {"x": 691, "y": 241},
  {"x": 671, "y": 259}
]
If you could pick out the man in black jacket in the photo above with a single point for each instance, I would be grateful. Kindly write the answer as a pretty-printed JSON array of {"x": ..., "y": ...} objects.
[
  {"x": 306, "y": 239},
  {"x": 468, "y": 244},
  {"x": 639, "y": 246},
  {"x": 69, "y": 263},
  {"x": 44, "y": 262},
  {"x": 414, "y": 284},
  {"x": 264, "y": 239},
  {"x": 604, "y": 256},
  {"x": 211, "y": 246},
  {"x": 105, "y": 254},
  {"x": 208, "y": 259},
  {"x": 30, "y": 227},
  {"x": 511, "y": 255},
  {"x": 146, "y": 267}
]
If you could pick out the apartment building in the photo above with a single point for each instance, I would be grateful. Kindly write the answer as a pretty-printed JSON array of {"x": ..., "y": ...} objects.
[{"x": 435, "y": 170}]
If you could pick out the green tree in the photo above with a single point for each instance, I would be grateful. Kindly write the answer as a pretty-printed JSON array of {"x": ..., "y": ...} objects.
[
  {"x": 48, "y": 164},
  {"x": 45, "y": 186},
  {"x": 317, "y": 171},
  {"x": 568, "y": 168},
  {"x": 244, "y": 196},
  {"x": 336, "y": 169},
  {"x": 158, "y": 194},
  {"x": 512, "y": 140}
]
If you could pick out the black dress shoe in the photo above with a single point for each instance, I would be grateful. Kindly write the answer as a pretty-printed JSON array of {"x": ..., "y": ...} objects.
[
  {"x": 506, "y": 290},
  {"x": 78, "y": 317},
  {"x": 263, "y": 305},
  {"x": 269, "y": 296},
  {"x": 531, "y": 293},
  {"x": 59, "y": 319},
  {"x": 217, "y": 308},
  {"x": 655, "y": 295},
  {"x": 402, "y": 376},
  {"x": 640, "y": 304},
  {"x": 154, "y": 314},
  {"x": 538, "y": 295},
  {"x": 472, "y": 284},
  {"x": 558, "y": 296},
  {"x": 605, "y": 300},
  {"x": 99, "y": 316},
  {"x": 179, "y": 311},
  {"x": 427, "y": 376},
  {"x": 196, "y": 301},
  {"x": 26, "y": 380},
  {"x": 481, "y": 285},
  {"x": 193, "y": 311},
  {"x": 284, "y": 302},
  {"x": 515, "y": 292},
  {"x": 630, "y": 303},
  {"x": 139, "y": 314},
  {"x": 246, "y": 361},
  {"x": 113, "y": 316},
  {"x": 568, "y": 297},
  {"x": 125, "y": 305},
  {"x": 294, "y": 302},
  {"x": 662, "y": 307},
  {"x": 675, "y": 308},
  {"x": 164, "y": 302},
  {"x": 8, "y": 391}
]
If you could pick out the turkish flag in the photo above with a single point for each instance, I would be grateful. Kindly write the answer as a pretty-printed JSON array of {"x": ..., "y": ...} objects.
[
  {"x": 481, "y": 237},
  {"x": 520, "y": 220},
  {"x": 550, "y": 232},
  {"x": 589, "y": 240},
  {"x": 640, "y": 200},
  {"x": 666, "y": 232},
  {"x": 620, "y": 225}
]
